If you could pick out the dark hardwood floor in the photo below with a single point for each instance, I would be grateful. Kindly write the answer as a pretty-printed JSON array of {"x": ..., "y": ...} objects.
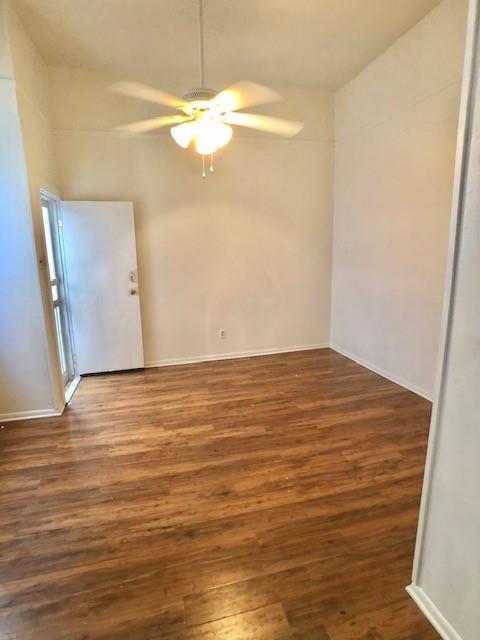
[{"x": 258, "y": 499}]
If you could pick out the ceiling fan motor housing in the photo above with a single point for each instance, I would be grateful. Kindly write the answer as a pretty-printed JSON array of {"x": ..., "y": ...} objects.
[{"x": 199, "y": 93}]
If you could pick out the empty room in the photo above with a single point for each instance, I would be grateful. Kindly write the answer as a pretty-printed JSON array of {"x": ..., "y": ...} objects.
[{"x": 240, "y": 320}]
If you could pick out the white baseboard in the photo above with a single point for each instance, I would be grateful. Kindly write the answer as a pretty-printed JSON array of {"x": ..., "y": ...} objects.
[
  {"x": 383, "y": 373},
  {"x": 167, "y": 362},
  {"x": 29, "y": 415},
  {"x": 431, "y": 612}
]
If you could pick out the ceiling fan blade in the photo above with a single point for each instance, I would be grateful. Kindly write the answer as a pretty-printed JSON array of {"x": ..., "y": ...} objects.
[
  {"x": 144, "y": 92},
  {"x": 264, "y": 123},
  {"x": 153, "y": 123},
  {"x": 243, "y": 94}
]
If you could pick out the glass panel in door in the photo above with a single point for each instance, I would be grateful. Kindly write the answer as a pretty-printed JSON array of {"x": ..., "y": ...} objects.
[{"x": 58, "y": 288}]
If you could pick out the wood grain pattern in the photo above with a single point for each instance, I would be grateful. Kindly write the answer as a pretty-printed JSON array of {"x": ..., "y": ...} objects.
[{"x": 265, "y": 498}]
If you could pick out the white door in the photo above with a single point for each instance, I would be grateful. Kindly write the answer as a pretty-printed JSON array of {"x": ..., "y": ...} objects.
[{"x": 101, "y": 270}]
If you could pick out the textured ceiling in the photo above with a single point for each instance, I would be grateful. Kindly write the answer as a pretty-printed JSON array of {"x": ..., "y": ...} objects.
[{"x": 313, "y": 43}]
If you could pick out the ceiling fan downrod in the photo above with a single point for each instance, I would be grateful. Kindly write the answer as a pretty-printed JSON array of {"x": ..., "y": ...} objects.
[
  {"x": 201, "y": 59},
  {"x": 200, "y": 44}
]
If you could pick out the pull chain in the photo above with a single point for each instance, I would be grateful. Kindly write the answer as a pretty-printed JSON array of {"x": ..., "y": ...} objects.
[
  {"x": 204, "y": 175},
  {"x": 211, "y": 162}
]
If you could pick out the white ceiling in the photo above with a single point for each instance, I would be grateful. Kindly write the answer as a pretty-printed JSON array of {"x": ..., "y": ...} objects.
[{"x": 312, "y": 43}]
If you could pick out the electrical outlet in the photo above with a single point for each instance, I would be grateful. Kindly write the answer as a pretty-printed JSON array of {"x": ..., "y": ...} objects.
[{"x": 222, "y": 333}]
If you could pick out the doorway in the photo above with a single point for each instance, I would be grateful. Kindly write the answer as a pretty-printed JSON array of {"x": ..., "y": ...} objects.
[{"x": 58, "y": 292}]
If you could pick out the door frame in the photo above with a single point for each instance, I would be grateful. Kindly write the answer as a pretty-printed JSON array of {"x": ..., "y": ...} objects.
[
  {"x": 68, "y": 386},
  {"x": 467, "y": 106}
]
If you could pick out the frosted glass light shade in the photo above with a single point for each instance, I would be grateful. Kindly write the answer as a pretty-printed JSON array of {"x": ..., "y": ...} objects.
[
  {"x": 183, "y": 133},
  {"x": 210, "y": 135}
]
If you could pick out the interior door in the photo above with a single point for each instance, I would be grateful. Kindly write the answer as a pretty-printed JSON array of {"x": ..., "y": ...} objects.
[{"x": 101, "y": 269}]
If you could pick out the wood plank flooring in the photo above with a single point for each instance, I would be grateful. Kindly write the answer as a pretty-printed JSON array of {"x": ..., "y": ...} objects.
[{"x": 266, "y": 498}]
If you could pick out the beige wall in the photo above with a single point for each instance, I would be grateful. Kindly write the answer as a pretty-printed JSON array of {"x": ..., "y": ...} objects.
[
  {"x": 248, "y": 249},
  {"x": 25, "y": 377},
  {"x": 396, "y": 126},
  {"x": 32, "y": 88},
  {"x": 31, "y": 79}
]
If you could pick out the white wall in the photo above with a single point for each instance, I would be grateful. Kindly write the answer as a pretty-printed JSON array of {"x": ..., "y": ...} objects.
[
  {"x": 25, "y": 376},
  {"x": 32, "y": 88},
  {"x": 446, "y": 581},
  {"x": 31, "y": 81},
  {"x": 395, "y": 129},
  {"x": 247, "y": 249}
]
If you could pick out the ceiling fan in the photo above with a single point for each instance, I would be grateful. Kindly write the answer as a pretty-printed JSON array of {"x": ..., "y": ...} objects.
[{"x": 205, "y": 116}]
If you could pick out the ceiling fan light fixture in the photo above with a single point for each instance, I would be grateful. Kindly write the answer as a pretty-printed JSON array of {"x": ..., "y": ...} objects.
[
  {"x": 210, "y": 135},
  {"x": 183, "y": 133}
]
